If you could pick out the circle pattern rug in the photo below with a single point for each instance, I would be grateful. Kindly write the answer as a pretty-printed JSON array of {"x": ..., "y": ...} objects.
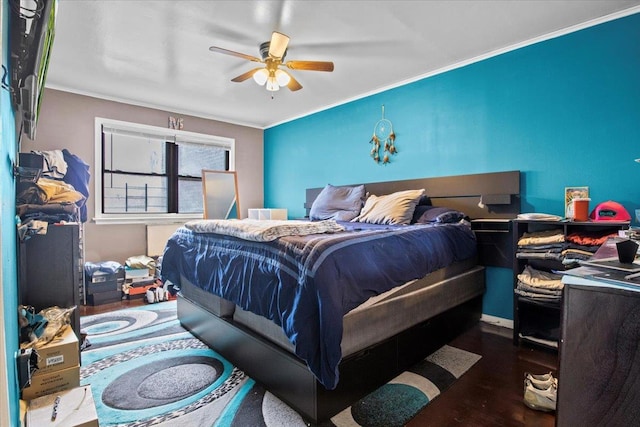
[{"x": 146, "y": 370}]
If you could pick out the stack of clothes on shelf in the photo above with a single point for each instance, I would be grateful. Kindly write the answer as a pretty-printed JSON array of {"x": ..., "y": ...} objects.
[
  {"x": 583, "y": 244},
  {"x": 544, "y": 286},
  {"x": 58, "y": 195},
  {"x": 60, "y": 192},
  {"x": 541, "y": 286},
  {"x": 553, "y": 245},
  {"x": 542, "y": 245}
]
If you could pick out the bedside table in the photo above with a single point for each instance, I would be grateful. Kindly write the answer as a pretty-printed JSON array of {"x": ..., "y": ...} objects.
[
  {"x": 268, "y": 214},
  {"x": 495, "y": 242}
]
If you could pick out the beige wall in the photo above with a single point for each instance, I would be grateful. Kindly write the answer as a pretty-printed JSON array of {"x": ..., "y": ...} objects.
[{"x": 67, "y": 121}]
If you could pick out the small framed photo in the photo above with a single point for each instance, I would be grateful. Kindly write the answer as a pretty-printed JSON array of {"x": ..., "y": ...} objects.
[{"x": 571, "y": 193}]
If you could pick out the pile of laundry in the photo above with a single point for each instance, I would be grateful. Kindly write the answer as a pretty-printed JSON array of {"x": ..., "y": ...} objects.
[{"x": 58, "y": 194}]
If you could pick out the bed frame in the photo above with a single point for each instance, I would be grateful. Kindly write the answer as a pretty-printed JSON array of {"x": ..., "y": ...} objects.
[{"x": 287, "y": 377}]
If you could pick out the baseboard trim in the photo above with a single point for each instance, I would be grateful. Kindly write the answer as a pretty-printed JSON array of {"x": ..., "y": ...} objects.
[{"x": 497, "y": 321}]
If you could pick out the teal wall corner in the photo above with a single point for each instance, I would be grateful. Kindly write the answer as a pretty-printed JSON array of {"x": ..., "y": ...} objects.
[{"x": 563, "y": 111}]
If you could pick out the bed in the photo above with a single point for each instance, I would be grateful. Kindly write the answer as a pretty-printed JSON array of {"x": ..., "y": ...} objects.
[{"x": 316, "y": 321}]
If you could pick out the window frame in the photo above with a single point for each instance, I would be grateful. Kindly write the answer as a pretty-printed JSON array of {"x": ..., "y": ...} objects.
[{"x": 173, "y": 135}]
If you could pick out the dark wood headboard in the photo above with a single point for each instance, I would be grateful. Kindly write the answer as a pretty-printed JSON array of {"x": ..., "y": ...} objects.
[{"x": 483, "y": 195}]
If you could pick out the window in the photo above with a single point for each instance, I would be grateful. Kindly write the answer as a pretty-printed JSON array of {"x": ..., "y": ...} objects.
[{"x": 151, "y": 174}]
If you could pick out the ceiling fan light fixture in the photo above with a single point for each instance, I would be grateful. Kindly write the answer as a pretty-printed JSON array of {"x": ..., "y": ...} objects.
[
  {"x": 272, "y": 55},
  {"x": 272, "y": 84},
  {"x": 261, "y": 76},
  {"x": 282, "y": 78}
]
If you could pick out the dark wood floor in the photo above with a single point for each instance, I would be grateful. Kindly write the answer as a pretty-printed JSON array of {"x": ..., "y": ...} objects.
[
  {"x": 86, "y": 310},
  {"x": 489, "y": 394}
]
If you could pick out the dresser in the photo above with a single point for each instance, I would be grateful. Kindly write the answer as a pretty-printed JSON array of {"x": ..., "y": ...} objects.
[
  {"x": 50, "y": 270},
  {"x": 599, "y": 354}
]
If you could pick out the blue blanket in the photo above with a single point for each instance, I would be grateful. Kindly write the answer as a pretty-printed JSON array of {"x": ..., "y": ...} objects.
[{"x": 306, "y": 284}]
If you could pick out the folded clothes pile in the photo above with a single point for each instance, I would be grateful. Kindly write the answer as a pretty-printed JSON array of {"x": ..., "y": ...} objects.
[
  {"x": 542, "y": 286},
  {"x": 547, "y": 244},
  {"x": 582, "y": 245},
  {"x": 58, "y": 193},
  {"x": 553, "y": 245}
]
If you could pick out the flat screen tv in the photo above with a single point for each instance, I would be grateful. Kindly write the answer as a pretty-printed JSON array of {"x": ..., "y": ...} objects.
[{"x": 32, "y": 30}]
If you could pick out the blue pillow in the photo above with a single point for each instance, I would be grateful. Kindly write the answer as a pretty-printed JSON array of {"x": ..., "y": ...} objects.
[
  {"x": 429, "y": 214},
  {"x": 339, "y": 203},
  {"x": 424, "y": 201}
]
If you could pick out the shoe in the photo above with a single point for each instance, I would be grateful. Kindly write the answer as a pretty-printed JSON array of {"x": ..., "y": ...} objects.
[
  {"x": 540, "y": 399},
  {"x": 542, "y": 381}
]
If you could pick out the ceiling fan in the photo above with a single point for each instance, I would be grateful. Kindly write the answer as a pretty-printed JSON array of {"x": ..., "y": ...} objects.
[{"x": 273, "y": 53}]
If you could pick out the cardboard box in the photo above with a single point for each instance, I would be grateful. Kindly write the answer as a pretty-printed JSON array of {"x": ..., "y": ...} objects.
[
  {"x": 61, "y": 353},
  {"x": 52, "y": 382},
  {"x": 75, "y": 408},
  {"x": 136, "y": 273}
]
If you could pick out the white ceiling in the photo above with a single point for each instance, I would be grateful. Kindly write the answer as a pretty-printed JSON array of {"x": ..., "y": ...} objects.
[{"x": 156, "y": 53}]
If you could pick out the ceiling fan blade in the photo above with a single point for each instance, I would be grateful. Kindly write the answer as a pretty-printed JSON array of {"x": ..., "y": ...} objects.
[
  {"x": 310, "y": 65},
  {"x": 293, "y": 84},
  {"x": 278, "y": 44},
  {"x": 245, "y": 76},
  {"x": 232, "y": 53}
]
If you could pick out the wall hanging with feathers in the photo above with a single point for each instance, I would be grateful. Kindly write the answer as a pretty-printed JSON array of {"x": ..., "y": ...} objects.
[{"x": 383, "y": 138}]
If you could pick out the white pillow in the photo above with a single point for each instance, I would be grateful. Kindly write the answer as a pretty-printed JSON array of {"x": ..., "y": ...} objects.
[{"x": 395, "y": 208}]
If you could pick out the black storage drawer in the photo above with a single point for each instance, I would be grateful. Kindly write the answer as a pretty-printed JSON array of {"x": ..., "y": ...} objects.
[
  {"x": 100, "y": 298},
  {"x": 495, "y": 242},
  {"x": 108, "y": 286},
  {"x": 101, "y": 282}
]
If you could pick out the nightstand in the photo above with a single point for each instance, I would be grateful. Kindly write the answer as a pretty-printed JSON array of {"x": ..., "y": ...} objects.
[{"x": 495, "y": 243}]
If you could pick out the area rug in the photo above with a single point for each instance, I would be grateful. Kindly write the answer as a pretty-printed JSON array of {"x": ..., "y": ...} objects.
[{"x": 146, "y": 370}]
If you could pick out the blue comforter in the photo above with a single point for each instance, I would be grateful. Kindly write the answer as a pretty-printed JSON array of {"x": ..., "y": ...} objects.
[{"x": 306, "y": 284}]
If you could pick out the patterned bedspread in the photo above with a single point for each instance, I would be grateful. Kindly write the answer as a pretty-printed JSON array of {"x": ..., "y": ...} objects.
[{"x": 306, "y": 284}]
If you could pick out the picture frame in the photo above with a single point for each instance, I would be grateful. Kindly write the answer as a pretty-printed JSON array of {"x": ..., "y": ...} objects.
[{"x": 571, "y": 193}]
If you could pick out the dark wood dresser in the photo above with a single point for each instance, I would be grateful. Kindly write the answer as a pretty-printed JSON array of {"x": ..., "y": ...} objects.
[{"x": 599, "y": 359}]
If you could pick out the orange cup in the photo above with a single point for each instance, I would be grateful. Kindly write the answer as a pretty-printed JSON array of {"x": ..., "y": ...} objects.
[{"x": 581, "y": 209}]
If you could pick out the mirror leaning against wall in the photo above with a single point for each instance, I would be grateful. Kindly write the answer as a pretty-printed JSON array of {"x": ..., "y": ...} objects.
[{"x": 220, "y": 192}]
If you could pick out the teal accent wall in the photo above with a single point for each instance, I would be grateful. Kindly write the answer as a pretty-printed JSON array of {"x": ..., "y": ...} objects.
[
  {"x": 498, "y": 297},
  {"x": 8, "y": 226},
  {"x": 565, "y": 112}
]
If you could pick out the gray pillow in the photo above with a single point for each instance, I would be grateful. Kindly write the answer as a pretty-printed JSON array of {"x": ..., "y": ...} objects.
[
  {"x": 339, "y": 203},
  {"x": 395, "y": 208}
]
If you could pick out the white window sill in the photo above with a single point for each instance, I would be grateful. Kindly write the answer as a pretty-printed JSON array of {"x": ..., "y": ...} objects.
[{"x": 145, "y": 219}]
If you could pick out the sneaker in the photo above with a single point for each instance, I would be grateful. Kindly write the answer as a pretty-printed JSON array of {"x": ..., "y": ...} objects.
[
  {"x": 542, "y": 381},
  {"x": 540, "y": 399}
]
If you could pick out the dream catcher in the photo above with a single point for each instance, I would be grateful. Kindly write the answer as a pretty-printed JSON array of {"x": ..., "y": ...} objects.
[{"x": 383, "y": 138}]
